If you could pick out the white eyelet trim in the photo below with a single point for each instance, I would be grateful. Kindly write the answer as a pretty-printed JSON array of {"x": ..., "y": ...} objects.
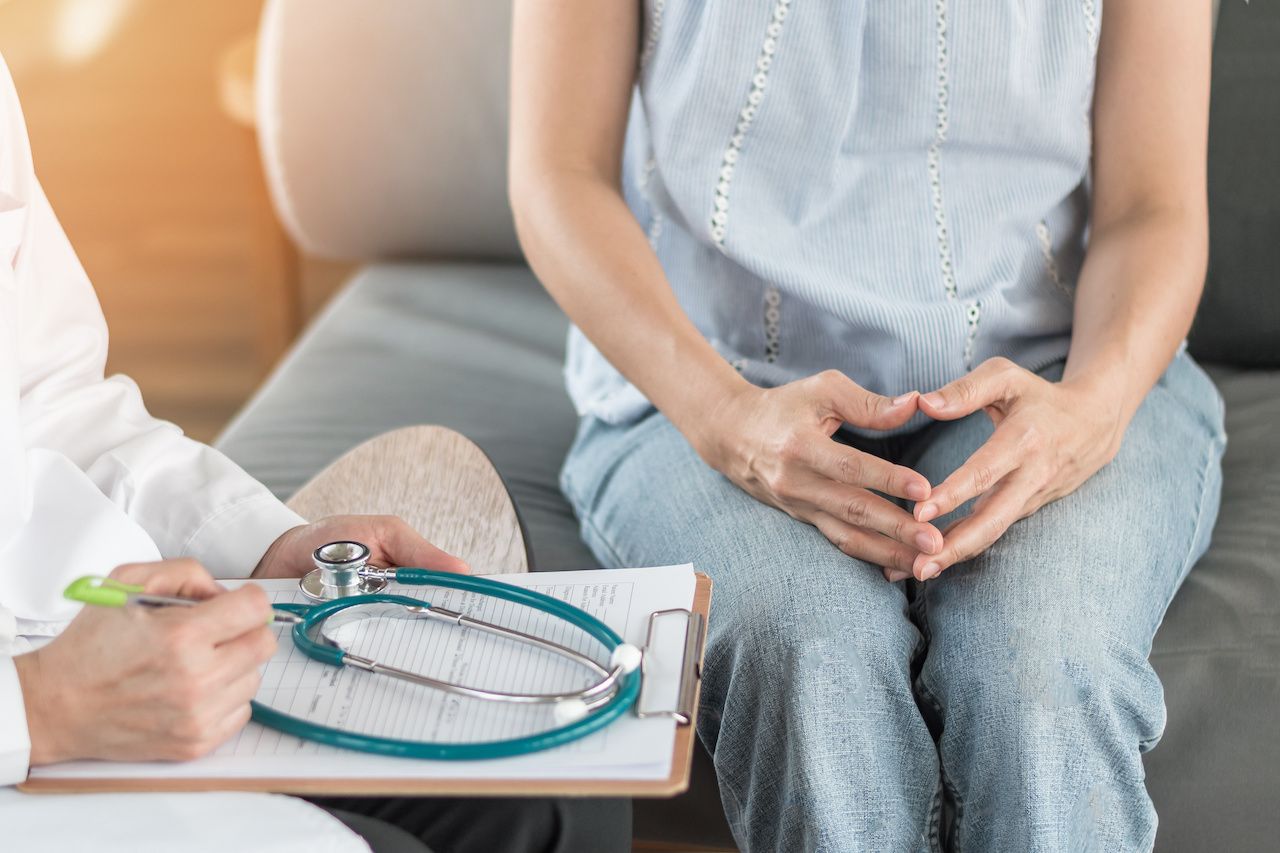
[
  {"x": 759, "y": 80},
  {"x": 1091, "y": 25},
  {"x": 1051, "y": 263},
  {"x": 1091, "y": 28},
  {"x": 972, "y": 315},
  {"x": 646, "y": 175},
  {"x": 655, "y": 216},
  {"x": 655, "y": 29},
  {"x": 739, "y": 364},
  {"x": 945, "y": 260},
  {"x": 772, "y": 317},
  {"x": 655, "y": 230}
]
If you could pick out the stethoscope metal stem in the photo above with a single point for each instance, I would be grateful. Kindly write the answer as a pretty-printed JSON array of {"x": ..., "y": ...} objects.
[
  {"x": 585, "y": 695},
  {"x": 606, "y": 684},
  {"x": 512, "y": 634}
]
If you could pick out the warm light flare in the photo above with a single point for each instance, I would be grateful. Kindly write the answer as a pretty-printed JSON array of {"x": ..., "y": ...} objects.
[{"x": 81, "y": 28}]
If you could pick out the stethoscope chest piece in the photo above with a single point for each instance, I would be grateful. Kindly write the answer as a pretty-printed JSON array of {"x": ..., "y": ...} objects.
[{"x": 341, "y": 570}]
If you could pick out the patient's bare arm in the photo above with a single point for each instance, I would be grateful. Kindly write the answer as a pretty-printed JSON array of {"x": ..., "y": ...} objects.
[{"x": 576, "y": 62}]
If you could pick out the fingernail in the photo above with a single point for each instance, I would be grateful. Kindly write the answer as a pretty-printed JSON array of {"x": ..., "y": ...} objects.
[
  {"x": 895, "y": 575},
  {"x": 930, "y": 570},
  {"x": 899, "y": 400},
  {"x": 924, "y": 542},
  {"x": 935, "y": 400},
  {"x": 917, "y": 491},
  {"x": 926, "y": 512}
]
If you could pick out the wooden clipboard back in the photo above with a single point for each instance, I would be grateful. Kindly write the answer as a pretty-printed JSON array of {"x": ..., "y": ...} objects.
[{"x": 676, "y": 783}]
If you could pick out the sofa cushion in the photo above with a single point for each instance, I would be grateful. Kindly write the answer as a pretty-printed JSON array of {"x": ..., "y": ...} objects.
[{"x": 1239, "y": 317}]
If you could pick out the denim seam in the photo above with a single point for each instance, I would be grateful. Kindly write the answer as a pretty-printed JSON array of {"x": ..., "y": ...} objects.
[
  {"x": 1213, "y": 451},
  {"x": 727, "y": 788},
  {"x": 604, "y": 540},
  {"x": 935, "y": 816},
  {"x": 923, "y": 691},
  {"x": 944, "y": 784},
  {"x": 1188, "y": 400}
]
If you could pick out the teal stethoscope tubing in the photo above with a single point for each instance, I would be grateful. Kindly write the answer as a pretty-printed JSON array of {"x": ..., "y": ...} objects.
[{"x": 622, "y": 700}]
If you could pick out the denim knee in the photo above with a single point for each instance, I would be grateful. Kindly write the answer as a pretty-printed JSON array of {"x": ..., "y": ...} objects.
[
  {"x": 810, "y": 714},
  {"x": 835, "y": 619},
  {"x": 1027, "y": 680}
]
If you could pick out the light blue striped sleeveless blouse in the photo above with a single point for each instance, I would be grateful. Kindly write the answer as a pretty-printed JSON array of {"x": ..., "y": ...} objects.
[{"x": 893, "y": 188}]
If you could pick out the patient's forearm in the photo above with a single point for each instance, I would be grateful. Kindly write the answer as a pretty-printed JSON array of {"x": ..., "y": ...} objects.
[
  {"x": 1134, "y": 304},
  {"x": 588, "y": 250}
]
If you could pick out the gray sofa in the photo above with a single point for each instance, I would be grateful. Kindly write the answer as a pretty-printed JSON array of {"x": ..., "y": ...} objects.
[{"x": 383, "y": 136}]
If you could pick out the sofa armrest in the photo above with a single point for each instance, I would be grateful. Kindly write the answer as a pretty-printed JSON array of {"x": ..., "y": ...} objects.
[{"x": 383, "y": 126}]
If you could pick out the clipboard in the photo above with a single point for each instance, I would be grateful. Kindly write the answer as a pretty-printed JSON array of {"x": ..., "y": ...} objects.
[{"x": 685, "y": 715}]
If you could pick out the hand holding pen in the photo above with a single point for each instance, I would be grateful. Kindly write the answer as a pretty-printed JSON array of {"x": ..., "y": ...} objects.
[
  {"x": 146, "y": 683},
  {"x": 110, "y": 592}
]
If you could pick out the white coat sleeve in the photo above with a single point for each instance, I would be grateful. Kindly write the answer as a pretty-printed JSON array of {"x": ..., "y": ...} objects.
[
  {"x": 15, "y": 740},
  {"x": 191, "y": 500}
]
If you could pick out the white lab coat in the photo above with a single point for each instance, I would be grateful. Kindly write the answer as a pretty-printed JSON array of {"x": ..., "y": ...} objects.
[{"x": 89, "y": 480}]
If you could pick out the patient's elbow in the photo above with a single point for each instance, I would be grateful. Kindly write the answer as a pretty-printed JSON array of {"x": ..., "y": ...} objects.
[
  {"x": 527, "y": 191},
  {"x": 540, "y": 197},
  {"x": 530, "y": 182}
]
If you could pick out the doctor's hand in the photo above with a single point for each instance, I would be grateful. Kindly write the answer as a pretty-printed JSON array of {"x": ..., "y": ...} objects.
[
  {"x": 140, "y": 684},
  {"x": 1050, "y": 437},
  {"x": 391, "y": 541},
  {"x": 776, "y": 444}
]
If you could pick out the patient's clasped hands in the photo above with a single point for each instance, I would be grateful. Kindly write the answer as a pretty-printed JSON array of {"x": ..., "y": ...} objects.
[{"x": 1049, "y": 438}]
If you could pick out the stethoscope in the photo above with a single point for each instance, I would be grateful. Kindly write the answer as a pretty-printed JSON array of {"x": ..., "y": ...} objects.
[{"x": 347, "y": 590}]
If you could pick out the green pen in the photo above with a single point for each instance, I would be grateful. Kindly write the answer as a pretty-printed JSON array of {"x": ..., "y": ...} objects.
[{"x": 105, "y": 592}]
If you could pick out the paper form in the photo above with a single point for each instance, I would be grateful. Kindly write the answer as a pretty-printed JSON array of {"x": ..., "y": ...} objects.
[{"x": 351, "y": 699}]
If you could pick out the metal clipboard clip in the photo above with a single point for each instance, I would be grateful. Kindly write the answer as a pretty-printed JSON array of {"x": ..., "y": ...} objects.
[{"x": 695, "y": 635}]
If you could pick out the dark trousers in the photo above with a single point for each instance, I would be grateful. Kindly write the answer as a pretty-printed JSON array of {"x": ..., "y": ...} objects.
[{"x": 484, "y": 825}]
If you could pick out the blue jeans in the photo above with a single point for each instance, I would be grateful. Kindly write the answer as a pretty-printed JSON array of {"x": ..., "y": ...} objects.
[{"x": 1012, "y": 695}]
